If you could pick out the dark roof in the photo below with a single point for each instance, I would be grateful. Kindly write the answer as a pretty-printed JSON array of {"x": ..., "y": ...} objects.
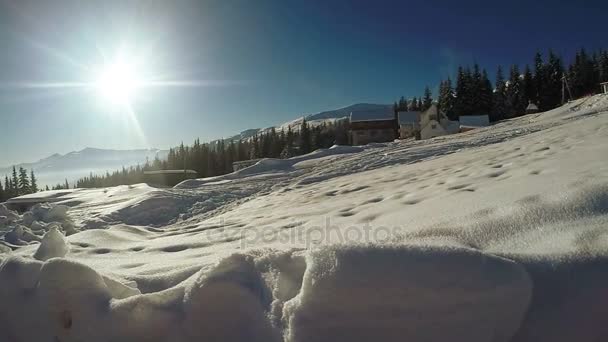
[
  {"x": 375, "y": 115},
  {"x": 408, "y": 117}
]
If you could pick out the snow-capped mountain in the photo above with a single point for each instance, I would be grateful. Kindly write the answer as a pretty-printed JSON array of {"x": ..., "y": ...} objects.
[
  {"x": 56, "y": 168},
  {"x": 313, "y": 119}
]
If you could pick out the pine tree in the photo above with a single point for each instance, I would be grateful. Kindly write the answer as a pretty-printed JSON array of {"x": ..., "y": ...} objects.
[
  {"x": 24, "y": 182},
  {"x": 33, "y": 182},
  {"x": 2, "y": 193},
  {"x": 8, "y": 188},
  {"x": 499, "y": 100},
  {"x": 67, "y": 185},
  {"x": 540, "y": 82},
  {"x": 428, "y": 98},
  {"x": 446, "y": 99},
  {"x": 46, "y": 188},
  {"x": 528, "y": 86},
  {"x": 465, "y": 98},
  {"x": 554, "y": 73},
  {"x": 15, "y": 183},
  {"x": 514, "y": 94},
  {"x": 305, "y": 138},
  {"x": 485, "y": 97}
]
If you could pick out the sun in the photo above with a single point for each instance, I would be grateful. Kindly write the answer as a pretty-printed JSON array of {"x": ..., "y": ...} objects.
[{"x": 117, "y": 82}]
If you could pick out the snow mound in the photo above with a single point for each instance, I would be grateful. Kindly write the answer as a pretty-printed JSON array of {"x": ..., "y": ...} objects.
[
  {"x": 21, "y": 230},
  {"x": 52, "y": 245},
  {"x": 363, "y": 294}
]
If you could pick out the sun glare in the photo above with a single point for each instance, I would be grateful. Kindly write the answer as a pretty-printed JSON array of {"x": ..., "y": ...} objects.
[{"x": 117, "y": 82}]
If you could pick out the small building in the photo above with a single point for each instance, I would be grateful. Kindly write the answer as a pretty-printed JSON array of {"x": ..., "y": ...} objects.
[
  {"x": 372, "y": 126},
  {"x": 409, "y": 124},
  {"x": 433, "y": 124},
  {"x": 604, "y": 86},
  {"x": 168, "y": 177},
  {"x": 470, "y": 122},
  {"x": 532, "y": 108}
]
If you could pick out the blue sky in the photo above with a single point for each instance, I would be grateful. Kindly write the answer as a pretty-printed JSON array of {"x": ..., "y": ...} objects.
[{"x": 258, "y": 63}]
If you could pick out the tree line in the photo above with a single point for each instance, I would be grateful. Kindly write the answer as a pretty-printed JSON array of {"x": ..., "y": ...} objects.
[
  {"x": 18, "y": 184},
  {"x": 216, "y": 158},
  {"x": 541, "y": 84}
]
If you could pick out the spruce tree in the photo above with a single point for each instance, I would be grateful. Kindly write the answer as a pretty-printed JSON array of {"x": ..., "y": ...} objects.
[
  {"x": 499, "y": 100},
  {"x": 554, "y": 73},
  {"x": 2, "y": 193},
  {"x": 485, "y": 97},
  {"x": 428, "y": 98},
  {"x": 514, "y": 90},
  {"x": 528, "y": 86},
  {"x": 24, "y": 182},
  {"x": 33, "y": 182},
  {"x": 15, "y": 183},
  {"x": 305, "y": 138},
  {"x": 8, "y": 188},
  {"x": 540, "y": 82},
  {"x": 446, "y": 99}
]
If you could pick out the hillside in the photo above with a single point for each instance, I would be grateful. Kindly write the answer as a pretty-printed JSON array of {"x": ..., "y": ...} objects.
[{"x": 497, "y": 234}]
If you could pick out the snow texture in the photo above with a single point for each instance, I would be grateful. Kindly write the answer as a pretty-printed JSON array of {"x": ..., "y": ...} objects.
[{"x": 496, "y": 234}]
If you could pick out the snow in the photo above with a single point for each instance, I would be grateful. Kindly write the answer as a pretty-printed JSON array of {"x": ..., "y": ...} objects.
[{"x": 497, "y": 234}]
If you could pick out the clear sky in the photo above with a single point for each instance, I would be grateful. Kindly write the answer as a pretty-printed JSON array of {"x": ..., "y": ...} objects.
[{"x": 232, "y": 65}]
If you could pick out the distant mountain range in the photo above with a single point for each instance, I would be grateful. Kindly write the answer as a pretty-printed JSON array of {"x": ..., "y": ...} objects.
[{"x": 71, "y": 166}]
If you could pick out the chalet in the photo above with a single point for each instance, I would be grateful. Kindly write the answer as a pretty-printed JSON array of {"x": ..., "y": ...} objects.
[
  {"x": 470, "y": 122},
  {"x": 409, "y": 124},
  {"x": 372, "y": 126},
  {"x": 433, "y": 124},
  {"x": 168, "y": 177},
  {"x": 532, "y": 108},
  {"x": 604, "y": 87}
]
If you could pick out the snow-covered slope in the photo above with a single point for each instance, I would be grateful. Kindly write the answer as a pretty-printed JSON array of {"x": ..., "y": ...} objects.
[
  {"x": 71, "y": 166},
  {"x": 497, "y": 234}
]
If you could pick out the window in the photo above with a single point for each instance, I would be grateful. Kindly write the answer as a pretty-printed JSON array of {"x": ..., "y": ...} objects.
[{"x": 433, "y": 126}]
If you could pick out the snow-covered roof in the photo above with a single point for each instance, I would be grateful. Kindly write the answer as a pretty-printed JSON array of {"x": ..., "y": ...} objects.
[
  {"x": 376, "y": 115},
  {"x": 474, "y": 120},
  {"x": 407, "y": 117},
  {"x": 532, "y": 106}
]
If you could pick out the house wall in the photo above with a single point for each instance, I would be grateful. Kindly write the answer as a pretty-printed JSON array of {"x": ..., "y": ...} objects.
[
  {"x": 407, "y": 131},
  {"x": 432, "y": 129},
  {"x": 366, "y": 136}
]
